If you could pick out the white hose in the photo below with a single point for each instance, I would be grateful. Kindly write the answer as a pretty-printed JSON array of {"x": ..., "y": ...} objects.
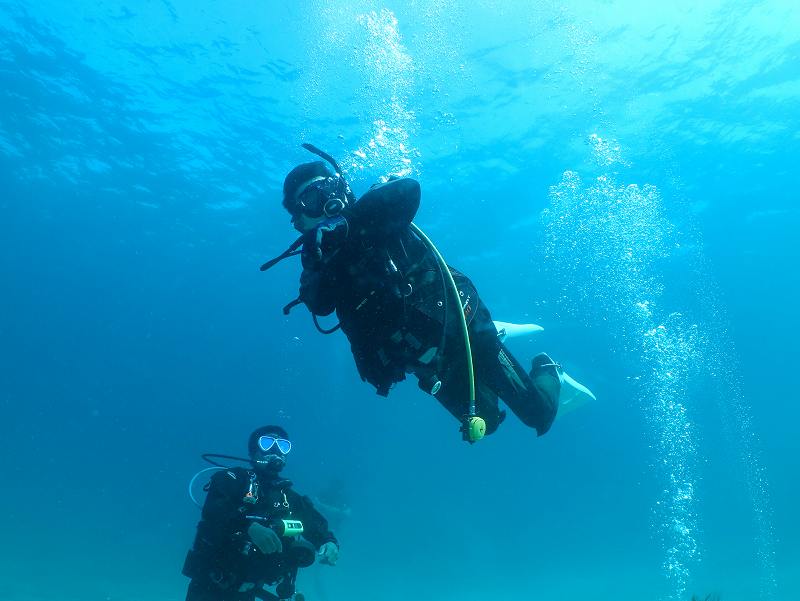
[{"x": 191, "y": 483}]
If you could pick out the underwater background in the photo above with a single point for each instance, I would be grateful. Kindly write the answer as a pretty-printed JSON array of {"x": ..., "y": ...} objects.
[{"x": 622, "y": 173}]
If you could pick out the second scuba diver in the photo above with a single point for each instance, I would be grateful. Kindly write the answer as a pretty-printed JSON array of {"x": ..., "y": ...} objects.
[
  {"x": 255, "y": 530},
  {"x": 366, "y": 260}
]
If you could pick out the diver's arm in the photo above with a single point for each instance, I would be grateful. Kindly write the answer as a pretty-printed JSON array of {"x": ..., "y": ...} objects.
[
  {"x": 385, "y": 209},
  {"x": 317, "y": 283},
  {"x": 315, "y": 526},
  {"x": 220, "y": 510}
]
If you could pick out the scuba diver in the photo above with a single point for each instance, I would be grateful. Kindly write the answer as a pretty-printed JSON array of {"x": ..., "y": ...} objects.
[
  {"x": 255, "y": 531},
  {"x": 403, "y": 309}
]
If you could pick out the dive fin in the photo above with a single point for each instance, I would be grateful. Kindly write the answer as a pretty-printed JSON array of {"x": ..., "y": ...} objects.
[
  {"x": 574, "y": 395},
  {"x": 515, "y": 330},
  {"x": 551, "y": 380}
]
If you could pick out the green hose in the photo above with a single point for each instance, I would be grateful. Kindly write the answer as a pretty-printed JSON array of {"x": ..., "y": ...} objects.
[{"x": 463, "y": 320}]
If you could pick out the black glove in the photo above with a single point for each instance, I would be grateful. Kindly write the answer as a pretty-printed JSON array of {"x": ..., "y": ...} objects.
[
  {"x": 327, "y": 237},
  {"x": 265, "y": 538}
]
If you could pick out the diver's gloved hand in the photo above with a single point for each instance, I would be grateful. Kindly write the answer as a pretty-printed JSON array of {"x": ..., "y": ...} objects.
[
  {"x": 329, "y": 553},
  {"x": 329, "y": 235},
  {"x": 265, "y": 538}
]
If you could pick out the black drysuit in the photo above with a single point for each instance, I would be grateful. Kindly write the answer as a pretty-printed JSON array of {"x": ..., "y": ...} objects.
[
  {"x": 391, "y": 301},
  {"x": 223, "y": 558}
]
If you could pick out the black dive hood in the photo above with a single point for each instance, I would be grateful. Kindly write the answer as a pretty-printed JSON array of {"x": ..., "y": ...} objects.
[{"x": 334, "y": 207}]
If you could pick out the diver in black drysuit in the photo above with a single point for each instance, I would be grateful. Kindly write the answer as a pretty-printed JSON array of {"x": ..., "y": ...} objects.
[
  {"x": 240, "y": 546},
  {"x": 361, "y": 259}
]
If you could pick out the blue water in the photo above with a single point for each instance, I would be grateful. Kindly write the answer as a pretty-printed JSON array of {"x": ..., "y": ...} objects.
[{"x": 622, "y": 173}]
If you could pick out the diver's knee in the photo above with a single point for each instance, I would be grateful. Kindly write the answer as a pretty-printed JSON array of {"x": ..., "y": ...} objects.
[{"x": 493, "y": 421}]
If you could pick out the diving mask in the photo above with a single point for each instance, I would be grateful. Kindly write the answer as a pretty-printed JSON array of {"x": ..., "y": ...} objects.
[{"x": 265, "y": 443}]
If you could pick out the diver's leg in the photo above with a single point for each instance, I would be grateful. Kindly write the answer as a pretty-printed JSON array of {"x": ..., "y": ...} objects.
[
  {"x": 532, "y": 397},
  {"x": 487, "y": 407},
  {"x": 454, "y": 396},
  {"x": 450, "y": 368}
]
